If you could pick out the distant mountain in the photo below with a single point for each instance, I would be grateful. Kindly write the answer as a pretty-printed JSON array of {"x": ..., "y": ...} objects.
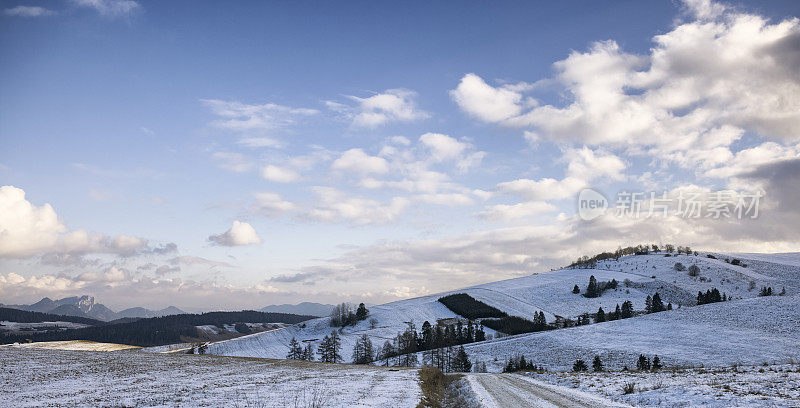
[
  {"x": 305, "y": 308},
  {"x": 142, "y": 312},
  {"x": 85, "y": 306}
]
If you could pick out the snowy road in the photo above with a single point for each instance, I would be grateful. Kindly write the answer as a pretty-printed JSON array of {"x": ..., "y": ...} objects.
[{"x": 512, "y": 390}]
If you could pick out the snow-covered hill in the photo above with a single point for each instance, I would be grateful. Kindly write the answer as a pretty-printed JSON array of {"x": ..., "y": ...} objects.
[{"x": 551, "y": 292}]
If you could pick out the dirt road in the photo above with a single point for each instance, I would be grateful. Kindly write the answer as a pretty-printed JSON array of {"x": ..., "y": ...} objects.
[{"x": 512, "y": 390}]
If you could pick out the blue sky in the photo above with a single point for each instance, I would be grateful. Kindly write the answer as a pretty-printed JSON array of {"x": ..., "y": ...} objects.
[{"x": 289, "y": 151}]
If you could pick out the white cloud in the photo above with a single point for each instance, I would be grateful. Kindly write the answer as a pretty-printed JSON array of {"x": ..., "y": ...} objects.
[
  {"x": 279, "y": 174},
  {"x": 335, "y": 206},
  {"x": 271, "y": 204},
  {"x": 28, "y": 11},
  {"x": 111, "y": 8},
  {"x": 252, "y": 121},
  {"x": 236, "y": 162},
  {"x": 393, "y": 105},
  {"x": 239, "y": 234},
  {"x": 110, "y": 275},
  {"x": 485, "y": 102},
  {"x": 355, "y": 160},
  {"x": 444, "y": 148},
  {"x": 27, "y": 230},
  {"x": 514, "y": 211},
  {"x": 704, "y": 83}
]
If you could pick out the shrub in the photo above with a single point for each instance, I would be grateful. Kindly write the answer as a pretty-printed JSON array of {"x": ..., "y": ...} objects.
[
  {"x": 694, "y": 270},
  {"x": 679, "y": 267},
  {"x": 629, "y": 388}
]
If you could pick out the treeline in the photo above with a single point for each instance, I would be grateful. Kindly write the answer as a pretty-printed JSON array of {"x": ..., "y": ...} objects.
[
  {"x": 645, "y": 249},
  {"x": 158, "y": 331},
  {"x": 710, "y": 296},
  {"x": 518, "y": 325},
  {"x": 519, "y": 363},
  {"x": 24, "y": 316},
  {"x": 465, "y": 305},
  {"x": 642, "y": 364},
  {"x": 438, "y": 344}
]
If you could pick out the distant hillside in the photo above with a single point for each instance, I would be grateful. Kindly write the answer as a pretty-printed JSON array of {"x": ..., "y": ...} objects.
[
  {"x": 159, "y": 331},
  {"x": 24, "y": 316},
  {"x": 85, "y": 306},
  {"x": 305, "y": 308}
]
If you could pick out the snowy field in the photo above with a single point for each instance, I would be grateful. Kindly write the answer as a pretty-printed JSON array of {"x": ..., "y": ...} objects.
[
  {"x": 751, "y": 331},
  {"x": 57, "y": 378},
  {"x": 742, "y": 386},
  {"x": 74, "y": 345},
  {"x": 551, "y": 292}
]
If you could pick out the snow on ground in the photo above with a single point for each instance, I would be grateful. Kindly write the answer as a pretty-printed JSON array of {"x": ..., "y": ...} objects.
[
  {"x": 38, "y": 377},
  {"x": 742, "y": 386},
  {"x": 550, "y": 292},
  {"x": 753, "y": 331},
  {"x": 39, "y": 326},
  {"x": 74, "y": 345}
]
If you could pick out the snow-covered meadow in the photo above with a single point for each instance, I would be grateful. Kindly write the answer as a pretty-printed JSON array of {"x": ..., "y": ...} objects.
[
  {"x": 720, "y": 387},
  {"x": 33, "y": 377}
]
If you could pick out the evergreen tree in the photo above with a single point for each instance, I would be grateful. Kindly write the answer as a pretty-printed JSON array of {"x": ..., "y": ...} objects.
[
  {"x": 308, "y": 352},
  {"x": 627, "y": 309},
  {"x": 601, "y": 316},
  {"x": 363, "y": 352},
  {"x": 387, "y": 352},
  {"x": 592, "y": 290},
  {"x": 461, "y": 362},
  {"x": 576, "y": 290},
  {"x": 480, "y": 335},
  {"x": 324, "y": 350},
  {"x": 427, "y": 335},
  {"x": 669, "y": 306},
  {"x": 580, "y": 365},
  {"x": 597, "y": 365},
  {"x": 657, "y": 305},
  {"x": 362, "y": 312},
  {"x": 642, "y": 363},
  {"x": 617, "y": 313},
  {"x": 656, "y": 363},
  {"x": 648, "y": 304},
  {"x": 295, "y": 350}
]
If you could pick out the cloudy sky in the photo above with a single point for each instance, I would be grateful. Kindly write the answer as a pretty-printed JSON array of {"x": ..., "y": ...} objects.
[{"x": 210, "y": 156}]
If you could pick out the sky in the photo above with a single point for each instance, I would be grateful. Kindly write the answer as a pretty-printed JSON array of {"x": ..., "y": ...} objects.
[{"x": 212, "y": 155}]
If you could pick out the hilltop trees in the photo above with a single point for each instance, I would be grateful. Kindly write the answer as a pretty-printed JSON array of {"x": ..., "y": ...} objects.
[{"x": 343, "y": 315}]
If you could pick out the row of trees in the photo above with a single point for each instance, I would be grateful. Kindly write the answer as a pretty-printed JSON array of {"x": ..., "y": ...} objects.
[
  {"x": 518, "y": 363},
  {"x": 655, "y": 305},
  {"x": 595, "y": 289},
  {"x": 642, "y": 364},
  {"x": 591, "y": 261},
  {"x": 298, "y": 352},
  {"x": 343, "y": 315},
  {"x": 710, "y": 296}
]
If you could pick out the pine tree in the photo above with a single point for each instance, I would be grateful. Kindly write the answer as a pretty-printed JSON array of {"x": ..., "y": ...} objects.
[
  {"x": 601, "y": 316},
  {"x": 617, "y": 313},
  {"x": 295, "y": 350},
  {"x": 461, "y": 361},
  {"x": 656, "y": 363},
  {"x": 362, "y": 312},
  {"x": 576, "y": 290},
  {"x": 580, "y": 365},
  {"x": 642, "y": 363},
  {"x": 592, "y": 290},
  {"x": 627, "y": 309},
  {"x": 648, "y": 304},
  {"x": 308, "y": 352},
  {"x": 597, "y": 365},
  {"x": 324, "y": 350},
  {"x": 362, "y": 351},
  {"x": 657, "y": 305}
]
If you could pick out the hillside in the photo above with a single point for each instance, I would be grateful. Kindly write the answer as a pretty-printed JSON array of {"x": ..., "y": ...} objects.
[{"x": 639, "y": 276}]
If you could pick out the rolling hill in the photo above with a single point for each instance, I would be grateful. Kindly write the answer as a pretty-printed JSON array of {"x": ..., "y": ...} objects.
[{"x": 687, "y": 335}]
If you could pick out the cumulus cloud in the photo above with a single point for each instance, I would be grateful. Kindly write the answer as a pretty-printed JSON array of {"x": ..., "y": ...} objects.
[
  {"x": 355, "y": 160},
  {"x": 444, "y": 148},
  {"x": 110, "y": 8},
  {"x": 333, "y": 205},
  {"x": 392, "y": 105},
  {"x": 28, "y": 11},
  {"x": 279, "y": 174},
  {"x": 27, "y": 230},
  {"x": 271, "y": 204},
  {"x": 239, "y": 234},
  {"x": 703, "y": 84}
]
